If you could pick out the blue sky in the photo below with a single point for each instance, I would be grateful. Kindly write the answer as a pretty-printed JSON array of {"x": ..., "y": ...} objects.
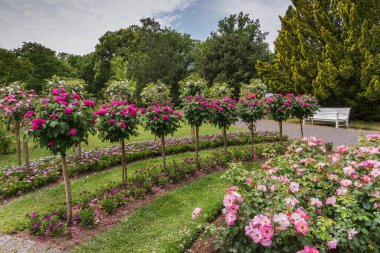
[{"x": 74, "y": 26}]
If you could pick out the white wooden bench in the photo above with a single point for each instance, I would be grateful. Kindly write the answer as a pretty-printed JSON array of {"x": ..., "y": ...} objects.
[{"x": 338, "y": 115}]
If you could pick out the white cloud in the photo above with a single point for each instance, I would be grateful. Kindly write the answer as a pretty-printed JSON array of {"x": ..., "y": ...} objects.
[{"x": 74, "y": 26}]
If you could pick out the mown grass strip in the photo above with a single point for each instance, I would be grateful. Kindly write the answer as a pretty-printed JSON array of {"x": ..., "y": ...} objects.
[
  {"x": 12, "y": 214},
  {"x": 164, "y": 225}
]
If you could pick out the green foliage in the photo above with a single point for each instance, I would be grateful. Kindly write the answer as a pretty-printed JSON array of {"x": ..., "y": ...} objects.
[
  {"x": 86, "y": 216},
  {"x": 255, "y": 87},
  {"x": 304, "y": 106},
  {"x": 108, "y": 204},
  {"x": 69, "y": 84},
  {"x": 219, "y": 91},
  {"x": 157, "y": 92},
  {"x": 6, "y": 142},
  {"x": 330, "y": 49},
  {"x": 230, "y": 54},
  {"x": 120, "y": 90},
  {"x": 192, "y": 85},
  {"x": 13, "y": 68}
]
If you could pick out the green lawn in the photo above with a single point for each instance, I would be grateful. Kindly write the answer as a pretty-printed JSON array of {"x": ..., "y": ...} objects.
[
  {"x": 36, "y": 152},
  {"x": 164, "y": 225},
  {"x": 12, "y": 214}
]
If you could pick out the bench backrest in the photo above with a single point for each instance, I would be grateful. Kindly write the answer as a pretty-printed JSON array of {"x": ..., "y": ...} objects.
[{"x": 330, "y": 113}]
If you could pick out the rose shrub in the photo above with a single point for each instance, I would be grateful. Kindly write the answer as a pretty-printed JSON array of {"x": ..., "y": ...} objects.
[
  {"x": 306, "y": 201},
  {"x": 304, "y": 106},
  {"x": 61, "y": 121},
  {"x": 223, "y": 115},
  {"x": 196, "y": 112},
  {"x": 156, "y": 93},
  {"x": 250, "y": 109},
  {"x": 161, "y": 121},
  {"x": 120, "y": 90},
  {"x": 116, "y": 122},
  {"x": 279, "y": 108},
  {"x": 219, "y": 91},
  {"x": 192, "y": 85}
]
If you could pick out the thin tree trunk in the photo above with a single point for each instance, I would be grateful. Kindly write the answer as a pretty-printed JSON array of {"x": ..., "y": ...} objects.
[
  {"x": 252, "y": 140},
  {"x": 224, "y": 133},
  {"x": 193, "y": 133},
  {"x": 80, "y": 151},
  {"x": 197, "y": 147},
  {"x": 123, "y": 162},
  {"x": 67, "y": 190},
  {"x": 18, "y": 142},
  {"x": 280, "y": 126},
  {"x": 26, "y": 156},
  {"x": 301, "y": 128},
  {"x": 163, "y": 153}
]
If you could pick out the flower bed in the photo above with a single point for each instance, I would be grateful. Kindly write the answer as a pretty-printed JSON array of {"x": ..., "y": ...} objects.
[
  {"x": 91, "y": 208},
  {"x": 46, "y": 170},
  {"x": 306, "y": 201}
]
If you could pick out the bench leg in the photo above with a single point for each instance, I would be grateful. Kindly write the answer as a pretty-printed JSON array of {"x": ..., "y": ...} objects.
[
  {"x": 337, "y": 124},
  {"x": 303, "y": 122}
]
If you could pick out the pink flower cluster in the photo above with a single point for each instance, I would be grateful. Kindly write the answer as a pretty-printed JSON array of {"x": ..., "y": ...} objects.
[
  {"x": 308, "y": 249},
  {"x": 231, "y": 203},
  {"x": 196, "y": 212},
  {"x": 260, "y": 230},
  {"x": 313, "y": 141},
  {"x": 164, "y": 112}
]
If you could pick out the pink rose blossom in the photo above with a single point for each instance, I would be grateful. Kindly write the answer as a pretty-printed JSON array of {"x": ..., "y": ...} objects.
[
  {"x": 294, "y": 187},
  {"x": 69, "y": 110},
  {"x": 331, "y": 200},
  {"x": 301, "y": 227},
  {"x": 230, "y": 218},
  {"x": 196, "y": 212},
  {"x": 73, "y": 132},
  {"x": 332, "y": 244},
  {"x": 351, "y": 233}
]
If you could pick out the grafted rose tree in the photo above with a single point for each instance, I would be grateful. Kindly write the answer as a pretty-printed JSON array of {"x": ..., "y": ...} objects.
[
  {"x": 196, "y": 112},
  {"x": 116, "y": 122},
  {"x": 304, "y": 106},
  {"x": 219, "y": 91},
  {"x": 223, "y": 115},
  {"x": 15, "y": 103},
  {"x": 61, "y": 121},
  {"x": 74, "y": 85},
  {"x": 279, "y": 108},
  {"x": 251, "y": 109},
  {"x": 161, "y": 120}
]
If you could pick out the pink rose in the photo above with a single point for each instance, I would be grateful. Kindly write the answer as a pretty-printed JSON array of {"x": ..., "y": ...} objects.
[
  {"x": 51, "y": 143},
  {"x": 332, "y": 244},
  {"x": 196, "y": 212},
  {"x": 69, "y": 110},
  {"x": 55, "y": 92},
  {"x": 73, "y": 132},
  {"x": 155, "y": 118},
  {"x": 89, "y": 103},
  {"x": 165, "y": 117},
  {"x": 111, "y": 121},
  {"x": 28, "y": 114}
]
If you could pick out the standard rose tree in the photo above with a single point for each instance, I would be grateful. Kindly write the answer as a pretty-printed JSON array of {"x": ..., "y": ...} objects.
[
  {"x": 279, "y": 108},
  {"x": 161, "y": 121},
  {"x": 223, "y": 115},
  {"x": 250, "y": 109},
  {"x": 196, "y": 112},
  {"x": 116, "y": 122},
  {"x": 304, "y": 106},
  {"x": 61, "y": 121},
  {"x": 15, "y": 103}
]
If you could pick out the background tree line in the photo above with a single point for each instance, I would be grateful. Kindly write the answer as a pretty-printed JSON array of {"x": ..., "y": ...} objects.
[{"x": 330, "y": 48}]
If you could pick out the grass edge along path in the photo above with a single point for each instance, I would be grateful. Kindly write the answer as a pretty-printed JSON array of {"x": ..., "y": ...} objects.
[
  {"x": 12, "y": 214},
  {"x": 165, "y": 225}
]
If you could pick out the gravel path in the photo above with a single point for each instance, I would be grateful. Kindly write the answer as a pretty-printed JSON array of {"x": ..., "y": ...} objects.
[
  {"x": 338, "y": 136},
  {"x": 13, "y": 244}
]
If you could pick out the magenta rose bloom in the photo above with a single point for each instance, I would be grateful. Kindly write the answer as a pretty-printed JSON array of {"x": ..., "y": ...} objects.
[
  {"x": 73, "y": 132},
  {"x": 69, "y": 110}
]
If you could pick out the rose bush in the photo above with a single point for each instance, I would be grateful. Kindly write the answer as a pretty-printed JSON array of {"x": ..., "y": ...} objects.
[
  {"x": 14, "y": 104},
  {"x": 279, "y": 108},
  {"x": 219, "y": 91},
  {"x": 250, "y": 109},
  {"x": 161, "y": 121},
  {"x": 120, "y": 90},
  {"x": 156, "y": 93},
  {"x": 196, "y": 112},
  {"x": 304, "y": 106},
  {"x": 116, "y": 122},
  {"x": 192, "y": 85},
  {"x": 61, "y": 121},
  {"x": 223, "y": 115},
  {"x": 306, "y": 201}
]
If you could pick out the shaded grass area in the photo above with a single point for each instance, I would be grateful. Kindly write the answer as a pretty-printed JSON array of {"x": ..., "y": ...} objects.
[
  {"x": 12, "y": 214},
  {"x": 165, "y": 225},
  {"x": 359, "y": 124},
  {"x": 36, "y": 152}
]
